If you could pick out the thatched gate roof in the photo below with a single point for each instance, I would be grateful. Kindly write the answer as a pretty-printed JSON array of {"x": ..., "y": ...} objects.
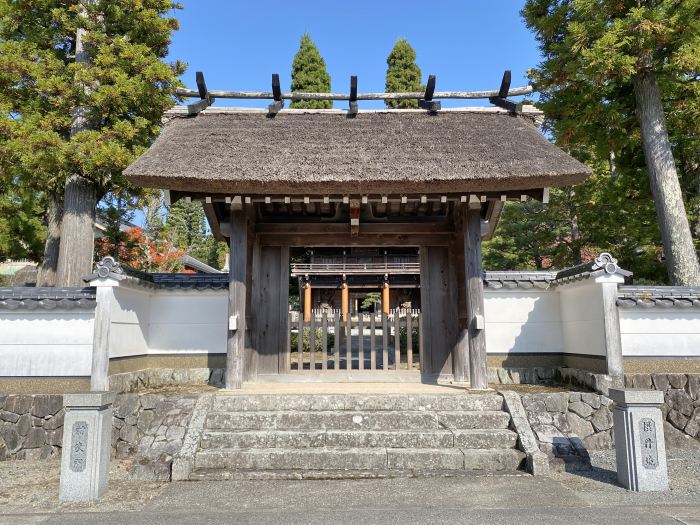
[{"x": 226, "y": 150}]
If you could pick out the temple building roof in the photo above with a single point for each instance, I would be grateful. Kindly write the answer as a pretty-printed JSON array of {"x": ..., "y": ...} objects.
[{"x": 225, "y": 150}]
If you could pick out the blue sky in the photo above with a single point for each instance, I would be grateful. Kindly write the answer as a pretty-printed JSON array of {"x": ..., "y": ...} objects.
[{"x": 467, "y": 44}]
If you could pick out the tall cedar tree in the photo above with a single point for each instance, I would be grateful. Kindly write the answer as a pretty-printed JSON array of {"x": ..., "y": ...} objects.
[
  {"x": 402, "y": 74},
  {"x": 309, "y": 75},
  {"x": 612, "y": 73},
  {"x": 82, "y": 91}
]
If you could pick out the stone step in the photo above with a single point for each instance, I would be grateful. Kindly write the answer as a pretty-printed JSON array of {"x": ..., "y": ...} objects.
[
  {"x": 354, "y": 420},
  {"x": 476, "y": 439},
  {"x": 486, "y": 460},
  {"x": 291, "y": 459},
  {"x": 222, "y": 474},
  {"x": 357, "y": 402},
  {"x": 473, "y": 420},
  {"x": 485, "y": 439}
]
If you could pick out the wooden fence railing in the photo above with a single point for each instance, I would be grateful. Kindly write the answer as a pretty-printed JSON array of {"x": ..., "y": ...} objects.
[{"x": 373, "y": 342}]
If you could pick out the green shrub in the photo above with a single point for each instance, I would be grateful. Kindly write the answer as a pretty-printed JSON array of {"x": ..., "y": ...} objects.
[{"x": 306, "y": 341}]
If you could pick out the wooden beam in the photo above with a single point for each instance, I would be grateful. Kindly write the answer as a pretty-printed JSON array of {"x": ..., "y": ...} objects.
[
  {"x": 278, "y": 103},
  {"x": 524, "y": 90},
  {"x": 354, "y": 218},
  {"x": 475, "y": 298},
  {"x": 335, "y": 228},
  {"x": 427, "y": 101},
  {"x": 535, "y": 193},
  {"x": 364, "y": 239},
  {"x": 237, "y": 292},
  {"x": 213, "y": 220},
  {"x": 353, "y": 96},
  {"x": 460, "y": 352},
  {"x": 505, "y": 84}
]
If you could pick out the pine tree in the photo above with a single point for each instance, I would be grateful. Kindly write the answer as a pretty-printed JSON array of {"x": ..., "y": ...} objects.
[
  {"x": 613, "y": 73},
  {"x": 309, "y": 75},
  {"x": 82, "y": 90},
  {"x": 402, "y": 74}
]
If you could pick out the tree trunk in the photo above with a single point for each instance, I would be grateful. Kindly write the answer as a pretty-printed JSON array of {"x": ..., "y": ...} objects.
[
  {"x": 49, "y": 264},
  {"x": 77, "y": 236},
  {"x": 80, "y": 196},
  {"x": 681, "y": 259}
]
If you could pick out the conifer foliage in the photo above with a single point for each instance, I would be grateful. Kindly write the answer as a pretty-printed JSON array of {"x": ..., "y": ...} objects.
[
  {"x": 83, "y": 86},
  {"x": 402, "y": 74},
  {"x": 612, "y": 74},
  {"x": 309, "y": 75}
]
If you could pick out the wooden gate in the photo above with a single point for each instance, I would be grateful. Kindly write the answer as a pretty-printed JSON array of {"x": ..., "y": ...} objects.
[{"x": 364, "y": 342}]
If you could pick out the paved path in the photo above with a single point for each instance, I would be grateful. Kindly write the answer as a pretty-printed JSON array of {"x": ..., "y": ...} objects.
[{"x": 566, "y": 498}]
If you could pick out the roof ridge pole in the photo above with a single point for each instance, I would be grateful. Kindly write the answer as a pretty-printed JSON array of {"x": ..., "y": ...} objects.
[
  {"x": 427, "y": 102},
  {"x": 278, "y": 103},
  {"x": 501, "y": 101}
]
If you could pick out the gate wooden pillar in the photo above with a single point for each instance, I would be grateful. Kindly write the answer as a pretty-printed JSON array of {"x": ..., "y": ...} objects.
[
  {"x": 386, "y": 305},
  {"x": 308, "y": 306},
  {"x": 475, "y": 296},
  {"x": 237, "y": 297}
]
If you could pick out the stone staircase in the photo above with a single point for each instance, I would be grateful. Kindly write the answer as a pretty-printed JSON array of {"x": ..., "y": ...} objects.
[{"x": 249, "y": 436}]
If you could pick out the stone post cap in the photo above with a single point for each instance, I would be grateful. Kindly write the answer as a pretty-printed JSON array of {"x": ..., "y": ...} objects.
[
  {"x": 636, "y": 396},
  {"x": 89, "y": 399}
]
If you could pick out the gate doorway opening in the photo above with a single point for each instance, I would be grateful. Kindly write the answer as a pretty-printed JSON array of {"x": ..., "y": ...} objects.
[{"x": 354, "y": 309}]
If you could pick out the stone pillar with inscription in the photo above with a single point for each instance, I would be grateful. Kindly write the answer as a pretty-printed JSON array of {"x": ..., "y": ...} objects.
[
  {"x": 87, "y": 444},
  {"x": 639, "y": 439}
]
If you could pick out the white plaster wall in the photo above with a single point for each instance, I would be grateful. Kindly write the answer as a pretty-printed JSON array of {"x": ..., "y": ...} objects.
[
  {"x": 46, "y": 342},
  {"x": 522, "y": 321},
  {"x": 658, "y": 332},
  {"x": 581, "y": 307},
  {"x": 188, "y": 321},
  {"x": 130, "y": 313}
]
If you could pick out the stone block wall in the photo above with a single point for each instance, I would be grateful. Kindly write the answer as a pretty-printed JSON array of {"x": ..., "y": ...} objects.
[
  {"x": 149, "y": 427},
  {"x": 31, "y": 427},
  {"x": 568, "y": 424},
  {"x": 163, "y": 377},
  {"x": 681, "y": 408}
]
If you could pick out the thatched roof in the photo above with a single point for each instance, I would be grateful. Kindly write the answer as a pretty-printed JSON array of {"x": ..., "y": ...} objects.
[{"x": 224, "y": 150}]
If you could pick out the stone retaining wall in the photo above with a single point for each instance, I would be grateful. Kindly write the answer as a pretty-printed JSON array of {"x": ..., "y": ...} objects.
[
  {"x": 31, "y": 427},
  {"x": 149, "y": 427},
  {"x": 568, "y": 424},
  {"x": 681, "y": 408},
  {"x": 161, "y": 377}
]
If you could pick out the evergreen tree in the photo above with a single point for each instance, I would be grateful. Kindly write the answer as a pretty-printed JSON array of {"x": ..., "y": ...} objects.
[
  {"x": 82, "y": 91},
  {"x": 613, "y": 73},
  {"x": 186, "y": 229},
  {"x": 309, "y": 75},
  {"x": 21, "y": 230},
  {"x": 402, "y": 74}
]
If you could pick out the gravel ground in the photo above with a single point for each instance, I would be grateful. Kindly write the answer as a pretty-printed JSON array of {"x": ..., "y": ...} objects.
[{"x": 32, "y": 486}]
